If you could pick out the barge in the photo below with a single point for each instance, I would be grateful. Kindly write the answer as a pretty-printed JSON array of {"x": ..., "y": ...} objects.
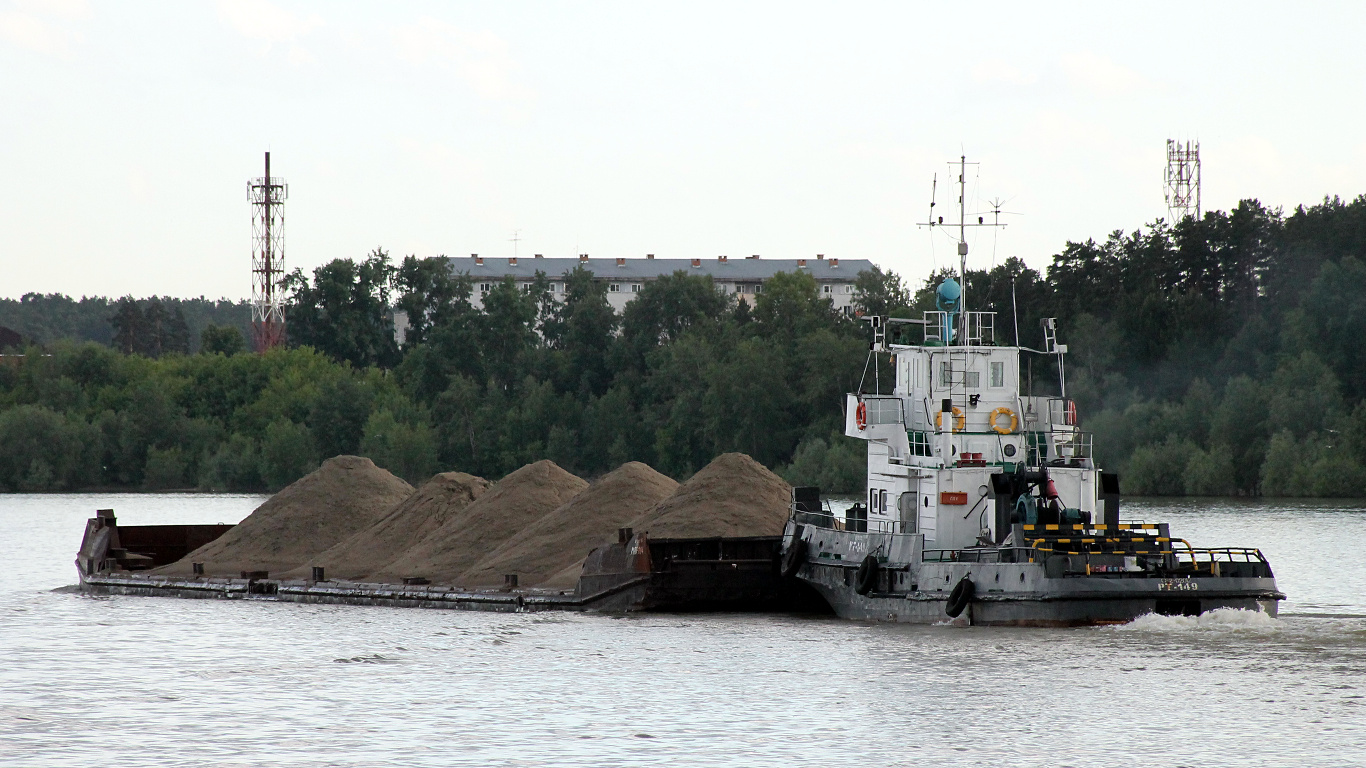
[{"x": 634, "y": 573}]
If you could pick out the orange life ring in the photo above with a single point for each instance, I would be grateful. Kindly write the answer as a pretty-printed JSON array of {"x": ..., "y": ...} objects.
[
  {"x": 1071, "y": 413},
  {"x": 959, "y": 420},
  {"x": 861, "y": 415},
  {"x": 1002, "y": 430}
]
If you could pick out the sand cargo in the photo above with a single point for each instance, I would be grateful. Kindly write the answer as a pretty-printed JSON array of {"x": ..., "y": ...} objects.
[{"x": 538, "y": 539}]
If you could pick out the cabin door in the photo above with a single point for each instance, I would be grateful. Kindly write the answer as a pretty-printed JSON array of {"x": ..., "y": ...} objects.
[
  {"x": 908, "y": 508},
  {"x": 927, "y": 489}
]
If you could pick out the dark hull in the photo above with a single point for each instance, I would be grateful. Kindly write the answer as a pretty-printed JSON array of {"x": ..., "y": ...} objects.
[{"x": 1043, "y": 601}]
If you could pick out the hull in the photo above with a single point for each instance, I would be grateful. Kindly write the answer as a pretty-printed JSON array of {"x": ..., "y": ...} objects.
[
  {"x": 911, "y": 590},
  {"x": 1078, "y": 602}
]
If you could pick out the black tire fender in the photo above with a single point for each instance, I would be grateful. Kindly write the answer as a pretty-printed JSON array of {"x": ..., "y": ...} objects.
[
  {"x": 866, "y": 578},
  {"x": 794, "y": 557},
  {"x": 960, "y": 597}
]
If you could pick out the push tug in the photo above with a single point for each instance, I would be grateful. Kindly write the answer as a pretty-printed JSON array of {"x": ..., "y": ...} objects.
[{"x": 985, "y": 506}]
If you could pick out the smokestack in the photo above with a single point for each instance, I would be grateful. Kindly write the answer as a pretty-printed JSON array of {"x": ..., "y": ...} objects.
[{"x": 946, "y": 425}]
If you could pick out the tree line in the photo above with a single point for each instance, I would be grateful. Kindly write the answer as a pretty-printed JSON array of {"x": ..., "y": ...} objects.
[
  {"x": 146, "y": 326},
  {"x": 1218, "y": 356},
  {"x": 1215, "y": 356},
  {"x": 685, "y": 373}
]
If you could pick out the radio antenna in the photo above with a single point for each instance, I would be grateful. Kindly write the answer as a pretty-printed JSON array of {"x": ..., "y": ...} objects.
[
  {"x": 963, "y": 226},
  {"x": 934, "y": 191}
]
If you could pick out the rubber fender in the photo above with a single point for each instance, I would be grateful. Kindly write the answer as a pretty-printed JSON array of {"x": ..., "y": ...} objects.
[
  {"x": 866, "y": 578},
  {"x": 793, "y": 557},
  {"x": 962, "y": 594}
]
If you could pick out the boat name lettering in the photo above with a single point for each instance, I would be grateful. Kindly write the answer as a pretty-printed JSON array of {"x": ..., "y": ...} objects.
[{"x": 1177, "y": 585}]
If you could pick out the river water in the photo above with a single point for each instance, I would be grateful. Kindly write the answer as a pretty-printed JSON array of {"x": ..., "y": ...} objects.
[{"x": 88, "y": 681}]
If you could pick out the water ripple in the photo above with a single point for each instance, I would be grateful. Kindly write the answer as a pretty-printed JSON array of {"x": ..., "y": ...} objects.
[{"x": 160, "y": 682}]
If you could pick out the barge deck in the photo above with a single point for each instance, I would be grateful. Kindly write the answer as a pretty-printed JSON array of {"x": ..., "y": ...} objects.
[{"x": 634, "y": 573}]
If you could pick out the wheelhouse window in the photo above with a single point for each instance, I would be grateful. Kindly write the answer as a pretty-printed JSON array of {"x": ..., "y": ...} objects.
[
  {"x": 883, "y": 410},
  {"x": 998, "y": 374}
]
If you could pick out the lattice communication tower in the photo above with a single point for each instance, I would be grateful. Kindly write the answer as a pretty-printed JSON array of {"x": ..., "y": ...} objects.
[
  {"x": 267, "y": 195},
  {"x": 1183, "y": 179}
]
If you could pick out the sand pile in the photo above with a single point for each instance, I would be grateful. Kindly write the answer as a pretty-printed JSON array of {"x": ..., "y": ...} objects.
[
  {"x": 345, "y": 495},
  {"x": 506, "y": 509},
  {"x": 734, "y": 495},
  {"x": 427, "y": 509},
  {"x": 560, "y": 540}
]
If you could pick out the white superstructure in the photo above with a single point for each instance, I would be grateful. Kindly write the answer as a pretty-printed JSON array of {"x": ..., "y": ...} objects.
[{"x": 929, "y": 468}]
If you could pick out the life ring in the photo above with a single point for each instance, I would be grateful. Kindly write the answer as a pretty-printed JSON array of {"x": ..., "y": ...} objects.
[
  {"x": 1071, "y": 416},
  {"x": 960, "y": 421},
  {"x": 861, "y": 415},
  {"x": 962, "y": 594},
  {"x": 1004, "y": 411},
  {"x": 794, "y": 556},
  {"x": 866, "y": 578}
]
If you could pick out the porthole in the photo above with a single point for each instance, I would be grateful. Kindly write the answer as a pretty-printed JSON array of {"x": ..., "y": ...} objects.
[
  {"x": 1021, "y": 577},
  {"x": 1009, "y": 450}
]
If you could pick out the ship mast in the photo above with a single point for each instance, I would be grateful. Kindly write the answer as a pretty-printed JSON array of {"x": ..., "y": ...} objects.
[
  {"x": 963, "y": 243},
  {"x": 963, "y": 225}
]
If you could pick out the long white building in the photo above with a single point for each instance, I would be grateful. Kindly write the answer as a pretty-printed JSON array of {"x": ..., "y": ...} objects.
[{"x": 626, "y": 277}]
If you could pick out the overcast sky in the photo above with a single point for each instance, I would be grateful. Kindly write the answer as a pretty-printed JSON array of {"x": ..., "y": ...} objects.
[{"x": 128, "y": 130}]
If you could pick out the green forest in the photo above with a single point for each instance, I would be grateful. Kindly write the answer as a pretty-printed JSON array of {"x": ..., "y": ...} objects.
[
  {"x": 161, "y": 323},
  {"x": 1217, "y": 356}
]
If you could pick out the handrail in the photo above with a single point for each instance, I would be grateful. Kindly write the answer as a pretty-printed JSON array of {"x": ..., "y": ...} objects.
[
  {"x": 1189, "y": 548},
  {"x": 1090, "y": 526},
  {"x": 938, "y": 555},
  {"x": 1155, "y": 539},
  {"x": 1229, "y": 552}
]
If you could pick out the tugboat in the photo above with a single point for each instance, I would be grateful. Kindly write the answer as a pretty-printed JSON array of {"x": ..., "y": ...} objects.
[{"x": 984, "y": 505}]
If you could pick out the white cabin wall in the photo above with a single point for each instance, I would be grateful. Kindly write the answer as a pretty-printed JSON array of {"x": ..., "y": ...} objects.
[
  {"x": 887, "y": 478},
  {"x": 1076, "y": 487},
  {"x": 953, "y": 530},
  {"x": 850, "y": 419}
]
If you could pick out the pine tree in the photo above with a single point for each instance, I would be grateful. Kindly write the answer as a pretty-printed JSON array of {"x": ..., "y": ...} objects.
[
  {"x": 157, "y": 323},
  {"x": 129, "y": 325}
]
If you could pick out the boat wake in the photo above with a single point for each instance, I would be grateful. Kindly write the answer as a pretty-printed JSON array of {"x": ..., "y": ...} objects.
[{"x": 1217, "y": 619}]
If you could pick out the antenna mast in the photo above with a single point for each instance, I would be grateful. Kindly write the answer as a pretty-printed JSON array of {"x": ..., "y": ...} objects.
[
  {"x": 1182, "y": 180},
  {"x": 963, "y": 225},
  {"x": 266, "y": 195}
]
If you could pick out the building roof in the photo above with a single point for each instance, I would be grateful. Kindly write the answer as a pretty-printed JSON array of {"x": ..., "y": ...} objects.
[{"x": 495, "y": 267}]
